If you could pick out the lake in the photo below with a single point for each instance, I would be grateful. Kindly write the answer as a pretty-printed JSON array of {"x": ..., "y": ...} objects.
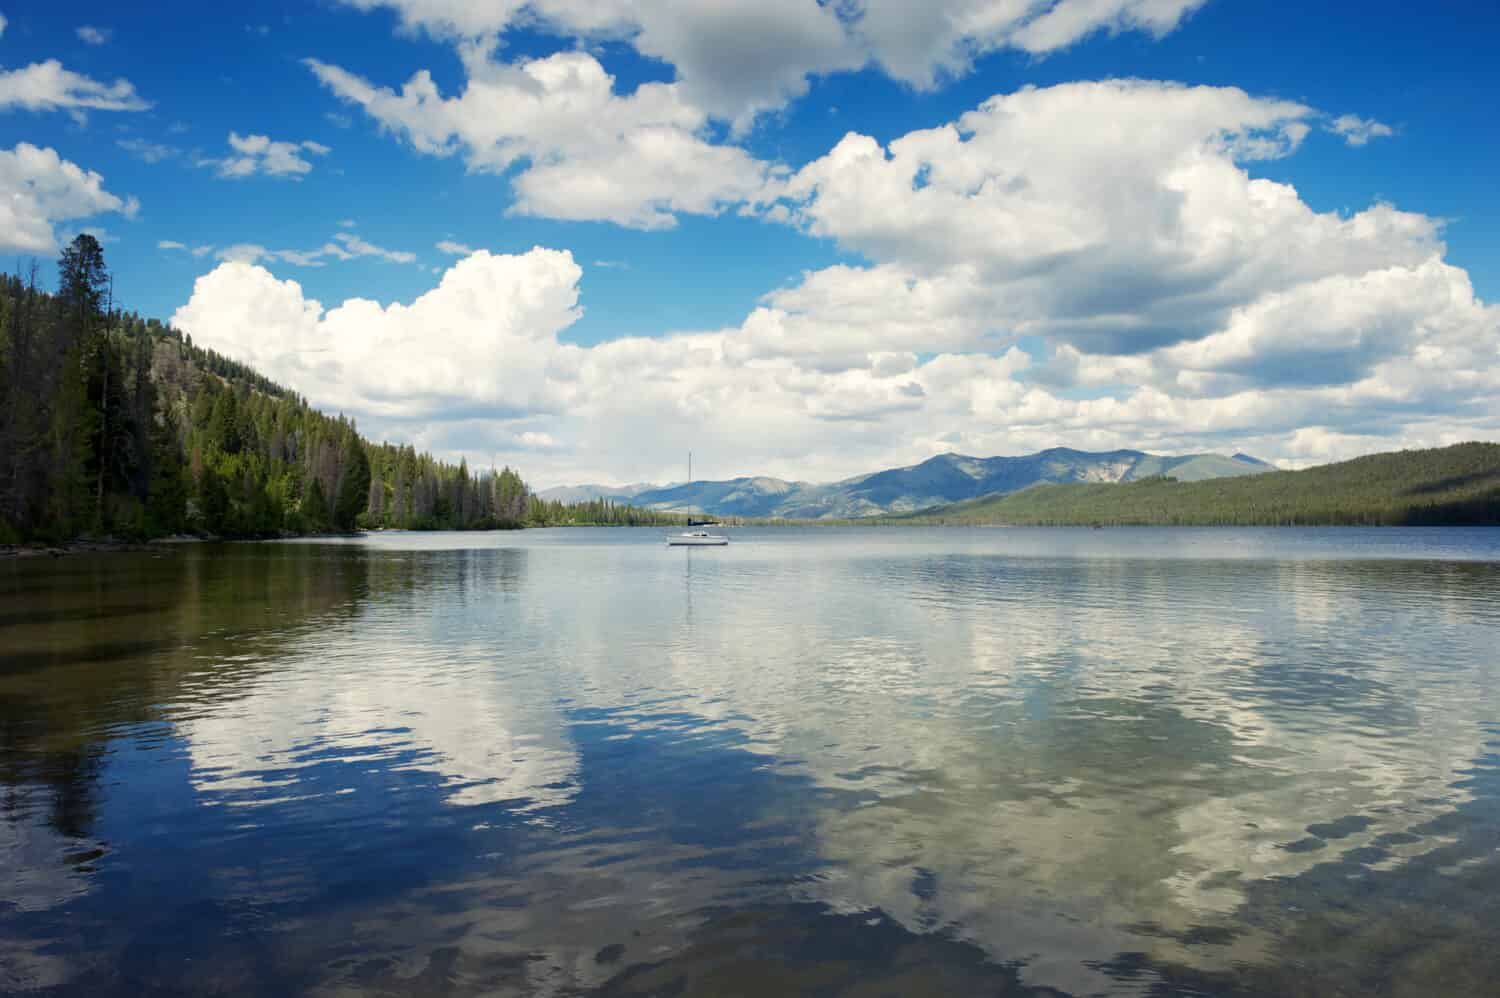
[{"x": 835, "y": 761}]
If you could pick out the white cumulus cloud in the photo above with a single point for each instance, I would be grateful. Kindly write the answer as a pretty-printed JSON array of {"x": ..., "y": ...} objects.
[
  {"x": 588, "y": 153},
  {"x": 639, "y": 159},
  {"x": 483, "y": 337},
  {"x": 259, "y": 154},
  {"x": 476, "y": 364},
  {"x": 39, "y": 188},
  {"x": 91, "y": 35},
  {"x": 737, "y": 58},
  {"x": 1092, "y": 264},
  {"x": 921, "y": 43},
  {"x": 1010, "y": 202},
  {"x": 47, "y": 86},
  {"x": 1359, "y": 131}
]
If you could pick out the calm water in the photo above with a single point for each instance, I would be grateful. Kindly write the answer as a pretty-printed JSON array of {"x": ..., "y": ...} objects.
[{"x": 857, "y": 762}]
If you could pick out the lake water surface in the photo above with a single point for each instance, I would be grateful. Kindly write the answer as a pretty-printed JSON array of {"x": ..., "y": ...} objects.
[{"x": 819, "y": 761}]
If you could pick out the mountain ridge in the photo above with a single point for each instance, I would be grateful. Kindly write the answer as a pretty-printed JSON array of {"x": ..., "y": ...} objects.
[
  {"x": 1458, "y": 484},
  {"x": 939, "y": 480}
]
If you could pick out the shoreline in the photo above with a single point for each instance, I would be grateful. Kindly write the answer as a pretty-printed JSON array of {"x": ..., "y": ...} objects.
[
  {"x": 96, "y": 545},
  {"x": 112, "y": 545}
]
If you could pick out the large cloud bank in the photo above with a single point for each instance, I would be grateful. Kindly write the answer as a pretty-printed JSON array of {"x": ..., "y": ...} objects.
[
  {"x": 736, "y": 58},
  {"x": 588, "y": 151},
  {"x": 1091, "y": 264}
]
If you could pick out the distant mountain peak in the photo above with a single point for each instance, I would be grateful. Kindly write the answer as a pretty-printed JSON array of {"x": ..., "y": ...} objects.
[{"x": 940, "y": 479}]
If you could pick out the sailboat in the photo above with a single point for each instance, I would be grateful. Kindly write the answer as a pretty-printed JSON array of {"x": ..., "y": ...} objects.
[{"x": 695, "y": 538}]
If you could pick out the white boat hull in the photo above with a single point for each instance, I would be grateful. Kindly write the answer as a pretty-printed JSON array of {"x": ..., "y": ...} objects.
[{"x": 697, "y": 540}]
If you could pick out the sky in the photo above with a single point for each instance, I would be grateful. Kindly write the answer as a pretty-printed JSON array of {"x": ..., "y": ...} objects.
[{"x": 583, "y": 237}]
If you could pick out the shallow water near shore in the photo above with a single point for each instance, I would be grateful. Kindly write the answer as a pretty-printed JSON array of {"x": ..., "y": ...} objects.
[{"x": 818, "y": 761}]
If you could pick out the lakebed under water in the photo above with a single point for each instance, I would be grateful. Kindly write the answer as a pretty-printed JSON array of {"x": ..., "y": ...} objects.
[{"x": 818, "y": 761}]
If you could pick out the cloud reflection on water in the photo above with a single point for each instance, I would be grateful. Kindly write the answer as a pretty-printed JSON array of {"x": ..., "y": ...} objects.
[{"x": 1057, "y": 760}]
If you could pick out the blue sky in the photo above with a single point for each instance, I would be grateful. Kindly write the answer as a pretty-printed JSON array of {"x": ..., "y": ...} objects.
[{"x": 695, "y": 212}]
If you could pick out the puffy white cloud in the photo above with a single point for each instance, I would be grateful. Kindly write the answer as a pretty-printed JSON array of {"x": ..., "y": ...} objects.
[
  {"x": 485, "y": 337},
  {"x": 803, "y": 388},
  {"x": 733, "y": 59},
  {"x": 38, "y": 188},
  {"x": 1358, "y": 131},
  {"x": 461, "y": 18},
  {"x": 919, "y": 43},
  {"x": 170, "y": 244},
  {"x": 259, "y": 154},
  {"x": 1118, "y": 216},
  {"x": 91, "y": 35},
  {"x": 3, "y": 23},
  {"x": 638, "y": 159},
  {"x": 837, "y": 317},
  {"x": 47, "y": 86},
  {"x": 1059, "y": 25},
  {"x": 1333, "y": 330},
  {"x": 452, "y": 248},
  {"x": 737, "y": 58},
  {"x": 589, "y": 153},
  {"x": 1091, "y": 264}
]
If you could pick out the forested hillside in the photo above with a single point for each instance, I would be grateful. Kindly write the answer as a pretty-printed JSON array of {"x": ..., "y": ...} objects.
[
  {"x": 111, "y": 424},
  {"x": 1448, "y": 485}
]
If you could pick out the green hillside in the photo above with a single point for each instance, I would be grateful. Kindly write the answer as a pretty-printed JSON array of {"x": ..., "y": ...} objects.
[{"x": 1441, "y": 486}]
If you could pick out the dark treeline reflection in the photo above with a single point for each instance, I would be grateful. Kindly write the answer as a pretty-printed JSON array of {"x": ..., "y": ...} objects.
[
  {"x": 94, "y": 647},
  {"x": 879, "y": 762}
]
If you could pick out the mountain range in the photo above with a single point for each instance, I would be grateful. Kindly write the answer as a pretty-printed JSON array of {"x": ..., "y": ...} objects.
[
  {"x": 943, "y": 479},
  {"x": 1443, "y": 486}
]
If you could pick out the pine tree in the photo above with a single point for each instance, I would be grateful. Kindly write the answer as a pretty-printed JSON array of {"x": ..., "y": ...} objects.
[
  {"x": 166, "y": 504},
  {"x": 314, "y": 507},
  {"x": 224, "y": 423},
  {"x": 354, "y": 486},
  {"x": 213, "y": 501}
]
